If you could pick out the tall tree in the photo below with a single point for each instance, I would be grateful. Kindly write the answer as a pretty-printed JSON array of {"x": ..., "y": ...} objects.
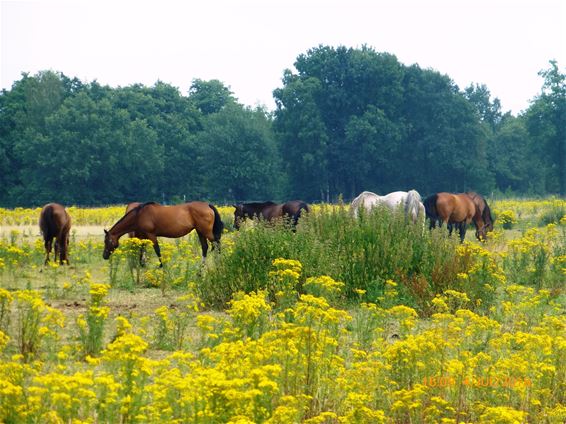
[
  {"x": 515, "y": 166},
  {"x": 210, "y": 96},
  {"x": 489, "y": 110},
  {"x": 546, "y": 123},
  {"x": 331, "y": 86},
  {"x": 239, "y": 159},
  {"x": 23, "y": 113}
]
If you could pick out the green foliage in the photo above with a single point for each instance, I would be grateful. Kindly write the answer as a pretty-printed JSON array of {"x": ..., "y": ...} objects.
[
  {"x": 237, "y": 132},
  {"x": 375, "y": 123},
  {"x": 362, "y": 253},
  {"x": 347, "y": 120},
  {"x": 546, "y": 123}
]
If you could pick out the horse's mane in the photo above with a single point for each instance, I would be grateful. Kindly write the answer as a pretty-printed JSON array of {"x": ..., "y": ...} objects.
[{"x": 136, "y": 210}]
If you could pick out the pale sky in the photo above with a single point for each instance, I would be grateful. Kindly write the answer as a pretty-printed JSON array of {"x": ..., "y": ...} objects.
[{"x": 247, "y": 44}]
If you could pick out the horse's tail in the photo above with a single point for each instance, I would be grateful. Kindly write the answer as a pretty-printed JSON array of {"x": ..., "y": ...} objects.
[
  {"x": 430, "y": 207},
  {"x": 218, "y": 225},
  {"x": 46, "y": 224},
  {"x": 302, "y": 207},
  {"x": 412, "y": 204}
]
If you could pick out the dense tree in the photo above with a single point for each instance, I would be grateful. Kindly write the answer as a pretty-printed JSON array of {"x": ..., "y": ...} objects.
[
  {"x": 210, "y": 96},
  {"x": 346, "y": 120},
  {"x": 23, "y": 113},
  {"x": 489, "y": 110},
  {"x": 378, "y": 126},
  {"x": 303, "y": 138},
  {"x": 546, "y": 123},
  {"x": 239, "y": 158},
  {"x": 89, "y": 153},
  {"x": 516, "y": 168}
]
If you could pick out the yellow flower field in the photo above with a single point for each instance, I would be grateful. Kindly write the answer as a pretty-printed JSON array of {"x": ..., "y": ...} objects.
[{"x": 117, "y": 342}]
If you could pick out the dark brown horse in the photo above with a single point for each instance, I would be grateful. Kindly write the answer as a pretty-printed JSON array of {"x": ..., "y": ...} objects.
[
  {"x": 55, "y": 223},
  {"x": 269, "y": 211},
  {"x": 453, "y": 209},
  {"x": 485, "y": 212},
  {"x": 151, "y": 220}
]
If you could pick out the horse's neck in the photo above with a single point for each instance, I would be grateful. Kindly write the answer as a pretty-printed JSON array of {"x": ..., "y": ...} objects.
[{"x": 125, "y": 225}]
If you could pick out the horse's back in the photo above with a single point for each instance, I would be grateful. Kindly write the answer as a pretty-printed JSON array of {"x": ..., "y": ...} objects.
[
  {"x": 455, "y": 207},
  {"x": 202, "y": 215},
  {"x": 174, "y": 221},
  {"x": 292, "y": 207},
  {"x": 366, "y": 200}
]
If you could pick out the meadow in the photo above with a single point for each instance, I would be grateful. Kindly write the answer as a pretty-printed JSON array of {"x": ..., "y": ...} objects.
[{"x": 369, "y": 320}]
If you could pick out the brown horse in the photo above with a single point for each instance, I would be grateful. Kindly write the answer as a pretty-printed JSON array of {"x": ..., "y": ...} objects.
[
  {"x": 151, "y": 220},
  {"x": 269, "y": 211},
  {"x": 453, "y": 209},
  {"x": 55, "y": 223},
  {"x": 485, "y": 212}
]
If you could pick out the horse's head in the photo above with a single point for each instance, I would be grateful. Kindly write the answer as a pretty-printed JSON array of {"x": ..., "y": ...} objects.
[
  {"x": 238, "y": 215},
  {"x": 481, "y": 233},
  {"x": 110, "y": 244}
]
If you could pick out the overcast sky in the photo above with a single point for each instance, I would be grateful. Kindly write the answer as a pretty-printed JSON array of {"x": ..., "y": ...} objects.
[{"x": 248, "y": 43}]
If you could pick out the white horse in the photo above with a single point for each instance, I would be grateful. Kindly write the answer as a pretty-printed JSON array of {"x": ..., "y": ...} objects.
[{"x": 410, "y": 202}]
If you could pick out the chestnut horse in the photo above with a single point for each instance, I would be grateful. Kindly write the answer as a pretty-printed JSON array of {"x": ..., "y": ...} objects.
[
  {"x": 456, "y": 209},
  {"x": 55, "y": 223},
  {"x": 270, "y": 211},
  {"x": 151, "y": 220},
  {"x": 485, "y": 212}
]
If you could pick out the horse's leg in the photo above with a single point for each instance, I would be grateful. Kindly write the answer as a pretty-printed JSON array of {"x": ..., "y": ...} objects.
[
  {"x": 142, "y": 249},
  {"x": 48, "y": 246},
  {"x": 462, "y": 228},
  {"x": 142, "y": 256},
  {"x": 57, "y": 250},
  {"x": 203, "y": 244},
  {"x": 61, "y": 245},
  {"x": 156, "y": 248},
  {"x": 66, "y": 253}
]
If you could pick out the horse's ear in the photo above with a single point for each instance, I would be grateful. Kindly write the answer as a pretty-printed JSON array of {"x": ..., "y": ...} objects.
[{"x": 105, "y": 231}]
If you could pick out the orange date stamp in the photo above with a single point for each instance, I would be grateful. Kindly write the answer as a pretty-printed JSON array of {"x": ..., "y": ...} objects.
[{"x": 477, "y": 381}]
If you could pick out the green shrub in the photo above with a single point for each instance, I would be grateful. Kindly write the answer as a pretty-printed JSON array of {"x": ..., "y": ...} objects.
[{"x": 362, "y": 252}]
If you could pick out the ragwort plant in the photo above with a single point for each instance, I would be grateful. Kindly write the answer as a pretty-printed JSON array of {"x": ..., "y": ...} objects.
[{"x": 91, "y": 326}]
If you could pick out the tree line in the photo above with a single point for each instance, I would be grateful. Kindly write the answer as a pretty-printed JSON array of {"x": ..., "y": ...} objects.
[{"x": 346, "y": 120}]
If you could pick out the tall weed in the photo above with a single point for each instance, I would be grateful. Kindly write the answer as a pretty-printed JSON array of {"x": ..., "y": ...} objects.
[{"x": 362, "y": 252}]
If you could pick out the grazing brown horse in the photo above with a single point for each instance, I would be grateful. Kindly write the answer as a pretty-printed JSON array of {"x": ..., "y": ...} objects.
[
  {"x": 485, "y": 213},
  {"x": 55, "y": 223},
  {"x": 456, "y": 209},
  {"x": 151, "y": 220},
  {"x": 269, "y": 211}
]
